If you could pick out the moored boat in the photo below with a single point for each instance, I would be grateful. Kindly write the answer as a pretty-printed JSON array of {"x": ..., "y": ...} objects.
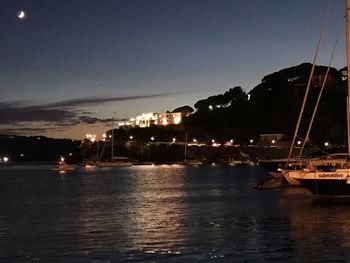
[
  {"x": 268, "y": 184},
  {"x": 117, "y": 161},
  {"x": 274, "y": 166},
  {"x": 331, "y": 179},
  {"x": 63, "y": 166}
]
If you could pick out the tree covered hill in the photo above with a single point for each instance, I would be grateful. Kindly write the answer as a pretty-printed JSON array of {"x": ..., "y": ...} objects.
[{"x": 273, "y": 106}]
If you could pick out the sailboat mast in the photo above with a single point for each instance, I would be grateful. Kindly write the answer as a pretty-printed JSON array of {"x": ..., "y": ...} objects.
[
  {"x": 186, "y": 145},
  {"x": 347, "y": 26},
  {"x": 112, "y": 142}
]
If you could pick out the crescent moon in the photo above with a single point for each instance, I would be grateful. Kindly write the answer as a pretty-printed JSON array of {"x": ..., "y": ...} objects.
[{"x": 21, "y": 14}]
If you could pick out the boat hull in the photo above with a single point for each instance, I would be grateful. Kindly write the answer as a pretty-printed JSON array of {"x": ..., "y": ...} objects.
[
  {"x": 327, "y": 187},
  {"x": 290, "y": 180},
  {"x": 272, "y": 167},
  {"x": 114, "y": 164},
  {"x": 324, "y": 183}
]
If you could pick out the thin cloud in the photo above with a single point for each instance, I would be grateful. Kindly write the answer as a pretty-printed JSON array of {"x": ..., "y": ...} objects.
[
  {"x": 98, "y": 101},
  {"x": 45, "y": 117},
  {"x": 10, "y": 115}
]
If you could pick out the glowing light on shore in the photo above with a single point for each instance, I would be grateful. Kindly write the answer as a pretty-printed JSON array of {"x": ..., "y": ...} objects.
[{"x": 177, "y": 120}]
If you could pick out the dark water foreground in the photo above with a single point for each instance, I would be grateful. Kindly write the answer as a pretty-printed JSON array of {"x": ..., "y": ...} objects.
[{"x": 164, "y": 214}]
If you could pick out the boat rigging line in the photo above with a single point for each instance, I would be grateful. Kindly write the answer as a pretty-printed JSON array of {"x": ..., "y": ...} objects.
[
  {"x": 309, "y": 81},
  {"x": 307, "y": 138}
]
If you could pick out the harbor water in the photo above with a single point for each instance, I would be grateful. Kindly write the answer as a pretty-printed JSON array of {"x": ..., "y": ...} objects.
[{"x": 167, "y": 213}]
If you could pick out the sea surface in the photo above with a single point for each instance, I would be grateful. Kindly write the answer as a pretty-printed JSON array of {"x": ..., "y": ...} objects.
[{"x": 167, "y": 213}]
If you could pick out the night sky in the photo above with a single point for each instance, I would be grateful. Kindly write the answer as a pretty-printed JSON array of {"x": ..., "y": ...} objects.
[{"x": 72, "y": 65}]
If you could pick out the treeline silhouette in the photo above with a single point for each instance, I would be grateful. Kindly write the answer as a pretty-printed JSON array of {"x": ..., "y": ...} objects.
[{"x": 273, "y": 106}]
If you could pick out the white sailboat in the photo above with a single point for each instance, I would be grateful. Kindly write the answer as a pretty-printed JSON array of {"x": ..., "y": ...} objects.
[
  {"x": 189, "y": 161},
  {"x": 115, "y": 161},
  {"x": 333, "y": 179}
]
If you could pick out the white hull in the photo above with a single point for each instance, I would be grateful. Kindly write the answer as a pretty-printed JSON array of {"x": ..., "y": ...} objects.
[
  {"x": 338, "y": 174},
  {"x": 114, "y": 164},
  {"x": 312, "y": 168},
  {"x": 290, "y": 180},
  {"x": 325, "y": 183}
]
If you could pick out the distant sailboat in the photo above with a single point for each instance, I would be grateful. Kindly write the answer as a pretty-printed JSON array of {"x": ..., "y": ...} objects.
[
  {"x": 115, "y": 161},
  {"x": 189, "y": 161}
]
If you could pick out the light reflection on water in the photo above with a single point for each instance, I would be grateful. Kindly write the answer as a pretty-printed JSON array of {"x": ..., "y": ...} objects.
[{"x": 164, "y": 213}]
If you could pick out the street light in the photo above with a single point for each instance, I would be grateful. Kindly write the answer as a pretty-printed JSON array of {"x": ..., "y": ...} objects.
[{"x": 92, "y": 138}]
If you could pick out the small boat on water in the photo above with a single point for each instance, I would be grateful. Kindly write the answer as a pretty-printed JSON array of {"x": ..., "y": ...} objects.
[
  {"x": 275, "y": 167},
  {"x": 63, "y": 166},
  {"x": 117, "y": 161},
  {"x": 268, "y": 184}
]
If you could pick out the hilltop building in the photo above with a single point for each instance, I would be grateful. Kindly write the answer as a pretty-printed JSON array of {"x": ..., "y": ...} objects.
[
  {"x": 153, "y": 119},
  {"x": 278, "y": 140}
]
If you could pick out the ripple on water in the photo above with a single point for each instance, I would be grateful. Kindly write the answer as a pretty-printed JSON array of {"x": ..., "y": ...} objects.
[{"x": 167, "y": 214}]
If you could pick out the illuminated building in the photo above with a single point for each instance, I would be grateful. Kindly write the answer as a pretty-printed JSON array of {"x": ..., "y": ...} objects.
[
  {"x": 149, "y": 119},
  {"x": 274, "y": 140}
]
